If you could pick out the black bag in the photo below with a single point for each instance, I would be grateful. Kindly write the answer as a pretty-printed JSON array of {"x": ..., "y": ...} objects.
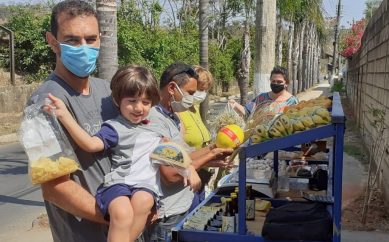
[
  {"x": 298, "y": 221},
  {"x": 319, "y": 180}
]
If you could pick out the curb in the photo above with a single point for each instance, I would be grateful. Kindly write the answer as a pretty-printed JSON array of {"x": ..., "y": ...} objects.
[{"x": 8, "y": 138}]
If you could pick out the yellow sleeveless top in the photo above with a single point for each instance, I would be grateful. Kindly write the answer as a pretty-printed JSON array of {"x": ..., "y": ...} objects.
[{"x": 196, "y": 133}]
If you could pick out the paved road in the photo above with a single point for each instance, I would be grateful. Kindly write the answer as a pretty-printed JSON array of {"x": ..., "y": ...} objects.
[{"x": 20, "y": 202}]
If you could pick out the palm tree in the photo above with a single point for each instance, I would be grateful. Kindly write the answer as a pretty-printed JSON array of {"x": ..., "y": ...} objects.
[
  {"x": 108, "y": 58},
  {"x": 203, "y": 26}
]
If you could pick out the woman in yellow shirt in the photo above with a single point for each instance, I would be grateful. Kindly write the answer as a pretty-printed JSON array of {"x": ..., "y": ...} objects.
[{"x": 194, "y": 130}]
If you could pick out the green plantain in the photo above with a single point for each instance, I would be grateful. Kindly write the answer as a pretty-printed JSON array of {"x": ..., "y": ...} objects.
[
  {"x": 273, "y": 132},
  {"x": 255, "y": 138},
  {"x": 287, "y": 124}
]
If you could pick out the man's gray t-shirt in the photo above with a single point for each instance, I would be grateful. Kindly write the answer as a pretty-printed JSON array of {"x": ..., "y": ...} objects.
[
  {"x": 90, "y": 111},
  {"x": 176, "y": 197}
]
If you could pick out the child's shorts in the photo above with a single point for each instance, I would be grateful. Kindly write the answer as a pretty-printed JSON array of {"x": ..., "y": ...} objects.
[{"x": 105, "y": 195}]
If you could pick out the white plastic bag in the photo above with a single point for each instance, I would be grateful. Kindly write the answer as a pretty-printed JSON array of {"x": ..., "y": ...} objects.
[
  {"x": 226, "y": 117},
  {"x": 49, "y": 152}
]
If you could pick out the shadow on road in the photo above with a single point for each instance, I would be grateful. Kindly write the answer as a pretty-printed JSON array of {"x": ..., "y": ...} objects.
[
  {"x": 8, "y": 199},
  {"x": 13, "y": 167}
]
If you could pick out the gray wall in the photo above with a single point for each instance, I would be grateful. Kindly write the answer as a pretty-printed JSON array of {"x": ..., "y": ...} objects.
[
  {"x": 14, "y": 98},
  {"x": 368, "y": 85}
]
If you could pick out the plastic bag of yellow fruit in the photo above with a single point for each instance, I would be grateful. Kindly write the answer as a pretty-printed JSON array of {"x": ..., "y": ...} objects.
[
  {"x": 48, "y": 149},
  {"x": 44, "y": 169}
]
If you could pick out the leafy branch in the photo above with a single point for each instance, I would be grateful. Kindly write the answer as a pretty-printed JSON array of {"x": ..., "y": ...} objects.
[{"x": 376, "y": 154}]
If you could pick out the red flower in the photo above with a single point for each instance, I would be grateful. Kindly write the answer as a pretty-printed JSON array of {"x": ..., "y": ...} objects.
[{"x": 351, "y": 42}]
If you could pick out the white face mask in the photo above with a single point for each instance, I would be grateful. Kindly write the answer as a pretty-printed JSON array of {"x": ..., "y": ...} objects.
[
  {"x": 184, "y": 104},
  {"x": 199, "y": 97}
]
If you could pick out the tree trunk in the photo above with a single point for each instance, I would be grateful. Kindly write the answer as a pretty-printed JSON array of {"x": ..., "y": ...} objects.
[
  {"x": 244, "y": 68},
  {"x": 108, "y": 57},
  {"x": 203, "y": 26},
  {"x": 313, "y": 62},
  {"x": 318, "y": 62},
  {"x": 309, "y": 56},
  {"x": 290, "y": 51},
  {"x": 306, "y": 58},
  {"x": 295, "y": 56},
  {"x": 300, "y": 58},
  {"x": 265, "y": 26},
  {"x": 314, "y": 55},
  {"x": 279, "y": 41}
]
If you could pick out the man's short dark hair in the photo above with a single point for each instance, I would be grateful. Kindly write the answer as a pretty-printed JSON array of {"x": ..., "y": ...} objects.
[
  {"x": 282, "y": 71},
  {"x": 180, "y": 73},
  {"x": 73, "y": 8}
]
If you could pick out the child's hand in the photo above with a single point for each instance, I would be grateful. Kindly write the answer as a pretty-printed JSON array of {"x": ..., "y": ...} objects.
[
  {"x": 57, "y": 106},
  {"x": 193, "y": 179},
  {"x": 165, "y": 139},
  {"x": 153, "y": 216},
  {"x": 232, "y": 103}
]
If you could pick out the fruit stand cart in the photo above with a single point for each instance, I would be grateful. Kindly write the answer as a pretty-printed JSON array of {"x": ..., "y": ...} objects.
[{"x": 334, "y": 130}]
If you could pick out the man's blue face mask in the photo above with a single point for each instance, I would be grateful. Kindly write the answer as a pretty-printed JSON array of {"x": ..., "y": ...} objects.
[{"x": 80, "y": 60}]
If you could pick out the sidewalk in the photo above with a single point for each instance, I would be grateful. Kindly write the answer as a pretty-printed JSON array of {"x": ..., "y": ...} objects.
[{"x": 354, "y": 179}]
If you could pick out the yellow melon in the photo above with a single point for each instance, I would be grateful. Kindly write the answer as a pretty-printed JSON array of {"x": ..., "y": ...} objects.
[{"x": 230, "y": 136}]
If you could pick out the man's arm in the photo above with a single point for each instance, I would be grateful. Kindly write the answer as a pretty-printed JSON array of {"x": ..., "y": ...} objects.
[
  {"x": 199, "y": 159},
  {"x": 72, "y": 198},
  {"x": 237, "y": 107}
]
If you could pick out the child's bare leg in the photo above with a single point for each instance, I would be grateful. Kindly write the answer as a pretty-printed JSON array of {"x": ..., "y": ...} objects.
[
  {"x": 121, "y": 219},
  {"x": 142, "y": 202}
]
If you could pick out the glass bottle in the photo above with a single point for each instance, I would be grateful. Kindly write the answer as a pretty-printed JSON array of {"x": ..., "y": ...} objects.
[
  {"x": 228, "y": 219},
  {"x": 250, "y": 203}
]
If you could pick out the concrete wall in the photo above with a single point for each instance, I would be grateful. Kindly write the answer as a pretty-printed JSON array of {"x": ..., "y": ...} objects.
[
  {"x": 14, "y": 98},
  {"x": 368, "y": 85}
]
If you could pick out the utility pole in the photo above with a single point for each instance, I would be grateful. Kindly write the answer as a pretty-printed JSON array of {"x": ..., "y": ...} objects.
[
  {"x": 265, "y": 35},
  {"x": 336, "y": 37}
]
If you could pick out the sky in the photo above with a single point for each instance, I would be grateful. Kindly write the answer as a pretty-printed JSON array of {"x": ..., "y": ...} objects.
[{"x": 351, "y": 10}]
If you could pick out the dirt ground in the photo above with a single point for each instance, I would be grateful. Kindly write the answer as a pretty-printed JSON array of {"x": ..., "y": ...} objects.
[{"x": 377, "y": 217}]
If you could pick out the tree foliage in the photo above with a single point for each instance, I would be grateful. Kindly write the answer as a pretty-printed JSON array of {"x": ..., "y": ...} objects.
[
  {"x": 370, "y": 7},
  {"x": 32, "y": 54},
  {"x": 144, "y": 37},
  {"x": 156, "y": 33}
]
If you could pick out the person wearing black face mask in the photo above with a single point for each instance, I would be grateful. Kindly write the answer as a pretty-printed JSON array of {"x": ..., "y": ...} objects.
[{"x": 278, "y": 98}]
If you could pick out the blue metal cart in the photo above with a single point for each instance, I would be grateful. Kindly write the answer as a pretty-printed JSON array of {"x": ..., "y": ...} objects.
[{"x": 335, "y": 130}]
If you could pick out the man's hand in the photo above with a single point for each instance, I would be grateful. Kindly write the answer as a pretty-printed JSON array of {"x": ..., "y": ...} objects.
[
  {"x": 219, "y": 153},
  {"x": 193, "y": 179},
  {"x": 225, "y": 163}
]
